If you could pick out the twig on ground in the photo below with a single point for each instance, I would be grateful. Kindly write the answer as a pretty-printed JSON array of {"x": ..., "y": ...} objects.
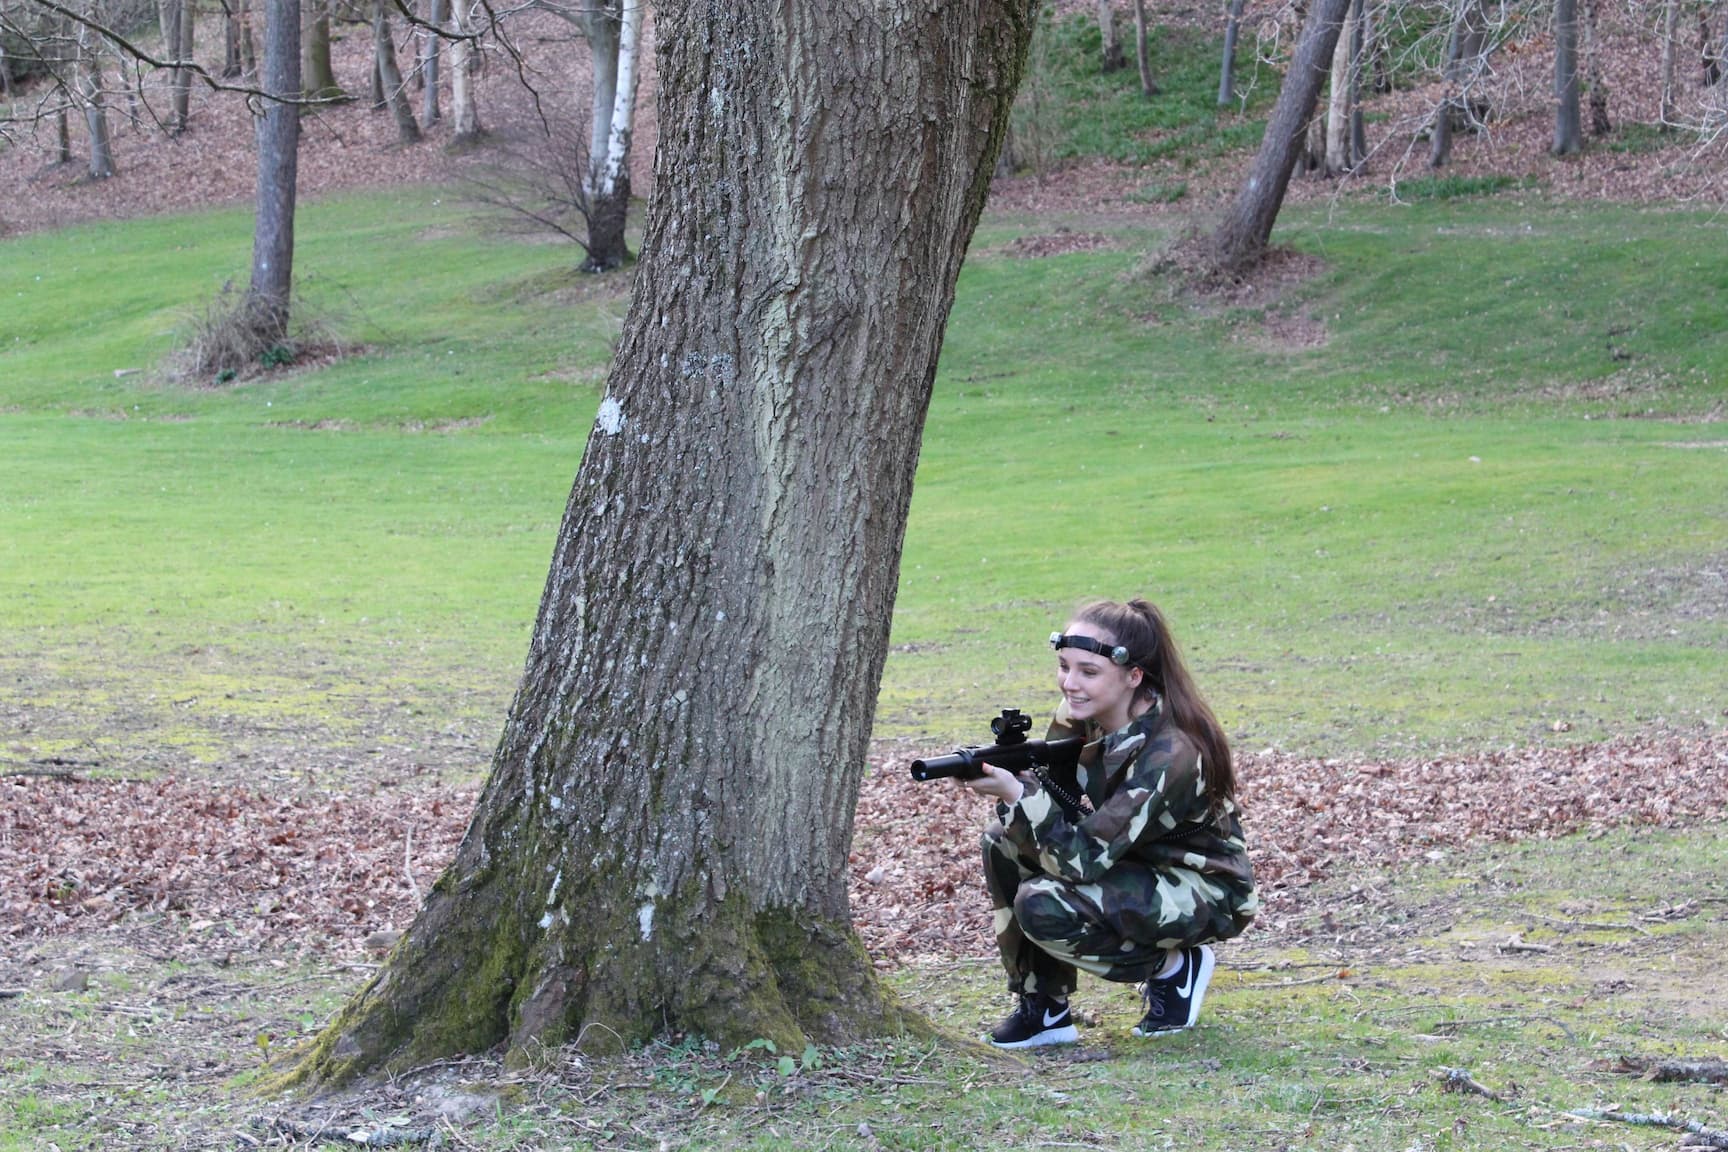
[
  {"x": 1449, "y": 1025},
  {"x": 359, "y": 1137},
  {"x": 1520, "y": 946},
  {"x": 1709, "y": 1071},
  {"x": 1460, "y": 1080},
  {"x": 1587, "y": 925},
  {"x": 11, "y": 993},
  {"x": 1710, "y": 1137},
  {"x": 408, "y": 865}
]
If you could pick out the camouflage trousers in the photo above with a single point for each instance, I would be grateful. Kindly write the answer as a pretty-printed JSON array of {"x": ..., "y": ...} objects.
[{"x": 1120, "y": 928}]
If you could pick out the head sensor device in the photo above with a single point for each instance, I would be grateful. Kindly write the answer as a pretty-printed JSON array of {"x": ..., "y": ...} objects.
[{"x": 1115, "y": 652}]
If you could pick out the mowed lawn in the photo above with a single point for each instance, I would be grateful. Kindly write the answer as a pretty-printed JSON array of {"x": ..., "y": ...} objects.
[{"x": 1465, "y": 484}]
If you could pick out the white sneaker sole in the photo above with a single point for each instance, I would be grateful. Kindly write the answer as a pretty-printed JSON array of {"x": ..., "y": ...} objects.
[{"x": 1068, "y": 1034}]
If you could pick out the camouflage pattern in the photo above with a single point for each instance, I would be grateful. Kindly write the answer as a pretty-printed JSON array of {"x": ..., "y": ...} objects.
[{"x": 1152, "y": 867}]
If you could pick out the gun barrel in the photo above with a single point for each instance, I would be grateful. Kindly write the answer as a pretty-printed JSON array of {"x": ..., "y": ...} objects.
[{"x": 966, "y": 763}]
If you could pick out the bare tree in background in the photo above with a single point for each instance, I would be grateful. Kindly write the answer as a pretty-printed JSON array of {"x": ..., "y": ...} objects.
[
  {"x": 1667, "y": 116},
  {"x": 389, "y": 75},
  {"x": 1467, "y": 48},
  {"x": 1142, "y": 52},
  {"x": 317, "y": 73},
  {"x": 1343, "y": 106},
  {"x": 265, "y": 310},
  {"x": 437, "y": 12},
  {"x": 1113, "y": 59},
  {"x": 1568, "y": 124},
  {"x": 1595, "y": 81},
  {"x": 464, "y": 63},
  {"x": 89, "y": 85},
  {"x": 178, "y": 22},
  {"x": 615, "y": 46},
  {"x": 1227, "y": 70},
  {"x": 1242, "y": 236}
]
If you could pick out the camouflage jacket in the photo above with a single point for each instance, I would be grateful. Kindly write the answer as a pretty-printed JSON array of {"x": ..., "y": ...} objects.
[{"x": 1148, "y": 805}]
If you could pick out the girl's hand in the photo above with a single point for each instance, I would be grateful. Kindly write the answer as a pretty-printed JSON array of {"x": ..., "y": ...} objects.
[{"x": 999, "y": 783}]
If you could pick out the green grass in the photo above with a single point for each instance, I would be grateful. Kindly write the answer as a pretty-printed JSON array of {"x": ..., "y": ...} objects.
[
  {"x": 1481, "y": 507},
  {"x": 1453, "y": 187},
  {"x": 1069, "y": 109}
]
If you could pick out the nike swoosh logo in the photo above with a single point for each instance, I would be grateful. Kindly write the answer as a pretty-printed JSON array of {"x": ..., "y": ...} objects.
[
  {"x": 1050, "y": 1020},
  {"x": 1187, "y": 977}
]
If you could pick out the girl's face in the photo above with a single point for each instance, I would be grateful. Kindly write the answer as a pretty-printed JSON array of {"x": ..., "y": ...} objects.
[{"x": 1096, "y": 688}]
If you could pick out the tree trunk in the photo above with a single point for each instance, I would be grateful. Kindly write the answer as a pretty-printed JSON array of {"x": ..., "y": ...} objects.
[
  {"x": 1467, "y": 49},
  {"x": 464, "y": 113},
  {"x": 180, "y": 92},
  {"x": 278, "y": 138},
  {"x": 1142, "y": 55},
  {"x": 1670, "y": 17},
  {"x": 609, "y": 195},
  {"x": 248, "y": 51},
  {"x": 1358, "y": 144},
  {"x": 1113, "y": 58},
  {"x": 395, "y": 93},
  {"x": 1246, "y": 229},
  {"x": 662, "y": 839},
  {"x": 1594, "y": 79},
  {"x": 1227, "y": 71},
  {"x": 89, "y": 88},
  {"x": 1709, "y": 67},
  {"x": 232, "y": 65},
  {"x": 437, "y": 11},
  {"x": 1338, "y": 109},
  {"x": 316, "y": 71},
  {"x": 1568, "y": 126},
  {"x": 62, "y": 137},
  {"x": 602, "y": 19}
]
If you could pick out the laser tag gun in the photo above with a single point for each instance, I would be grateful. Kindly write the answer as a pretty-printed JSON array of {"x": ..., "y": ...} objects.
[{"x": 1053, "y": 762}]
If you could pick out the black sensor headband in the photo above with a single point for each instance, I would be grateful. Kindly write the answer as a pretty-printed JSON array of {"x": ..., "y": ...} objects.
[{"x": 1114, "y": 652}]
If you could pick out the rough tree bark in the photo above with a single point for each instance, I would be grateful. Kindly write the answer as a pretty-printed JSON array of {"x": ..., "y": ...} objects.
[
  {"x": 1227, "y": 70},
  {"x": 88, "y": 85},
  {"x": 436, "y": 14},
  {"x": 1142, "y": 52},
  {"x": 464, "y": 111},
  {"x": 316, "y": 70},
  {"x": 609, "y": 184},
  {"x": 1113, "y": 59},
  {"x": 1595, "y": 81},
  {"x": 1246, "y": 229},
  {"x": 232, "y": 65},
  {"x": 389, "y": 75},
  {"x": 180, "y": 81},
  {"x": 1341, "y": 103},
  {"x": 1568, "y": 124},
  {"x": 662, "y": 839},
  {"x": 1670, "y": 18},
  {"x": 278, "y": 139}
]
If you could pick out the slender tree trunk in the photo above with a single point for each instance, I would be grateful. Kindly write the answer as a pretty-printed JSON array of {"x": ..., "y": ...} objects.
[
  {"x": 464, "y": 112},
  {"x": 1358, "y": 144},
  {"x": 1670, "y": 18},
  {"x": 248, "y": 51},
  {"x": 1142, "y": 53},
  {"x": 1595, "y": 81},
  {"x": 437, "y": 11},
  {"x": 1246, "y": 229},
  {"x": 1227, "y": 70},
  {"x": 89, "y": 80},
  {"x": 180, "y": 91},
  {"x": 1568, "y": 126},
  {"x": 278, "y": 139},
  {"x": 232, "y": 64},
  {"x": 1466, "y": 60},
  {"x": 1113, "y": 58},
  {"x": 390, "y": 76},
  {"x": 661, "y": 843},
  {"x": 1709, "y": 68},
  {"x": 62, "y": 137},
  {"x": 375, "y": 86},
  {"x": 609, "y": 202},
  {"x": 603, "y": 20},
  {"x": 316, "y": 70},
  {"x": 1338, "y": 102}
]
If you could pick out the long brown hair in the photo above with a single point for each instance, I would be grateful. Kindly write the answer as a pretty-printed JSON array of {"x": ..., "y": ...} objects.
[{"x": 1140, "y": 627}]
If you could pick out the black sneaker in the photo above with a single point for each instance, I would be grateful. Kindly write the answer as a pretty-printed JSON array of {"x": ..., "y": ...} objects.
[
  {"x": 1173, "y": 1003},
  {"x": 1039, "y": 1020}
]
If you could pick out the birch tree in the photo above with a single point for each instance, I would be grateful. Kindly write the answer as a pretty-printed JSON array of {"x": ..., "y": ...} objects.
[
  {"x": 615, "y": 44},
  {"x": 662, "y": 839},
  {"x": 464, "y": 60}
]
